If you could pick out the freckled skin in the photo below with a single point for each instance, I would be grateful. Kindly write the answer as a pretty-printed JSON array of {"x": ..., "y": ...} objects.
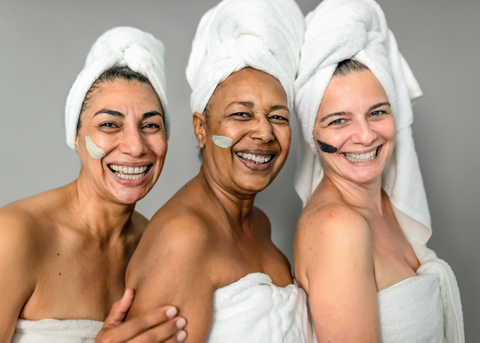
[{"x": 348, "y": 244}]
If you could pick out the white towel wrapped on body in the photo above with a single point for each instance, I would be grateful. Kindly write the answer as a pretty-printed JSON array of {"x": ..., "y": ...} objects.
[
  {"x": 254, "y": 310},
  {"x": 262, "y": 34},
  {"x": 356, "y": 29},
  {"x": 120, "y": 46},
  {"x": 56, "y": 331}
]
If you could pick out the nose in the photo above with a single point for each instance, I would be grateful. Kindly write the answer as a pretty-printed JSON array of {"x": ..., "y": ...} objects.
[
  {"x": 364, "y": 133},
  {"x": 133, "y": 143},
  {"x": 262, "y": 129}
]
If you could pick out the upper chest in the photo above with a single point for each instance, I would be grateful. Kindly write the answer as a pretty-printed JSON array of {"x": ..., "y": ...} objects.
[
  {"x": 237, "y": 256},
  {"x": 78, "y": 281},
  {"x": 394, "y": 257}
]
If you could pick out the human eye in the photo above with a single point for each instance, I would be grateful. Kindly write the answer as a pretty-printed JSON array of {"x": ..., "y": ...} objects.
[
  {"x": 109, "y": 126},
  {"x": 240, "y": 115},
  {"x": 278, "y": 119},
  {"x": 377, "y": 113},
  {"x": 337, "y": 122},
  {"x": 151, "y": 127}
]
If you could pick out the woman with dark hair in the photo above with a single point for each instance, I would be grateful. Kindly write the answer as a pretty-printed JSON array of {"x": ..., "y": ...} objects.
[
  {"x": 360, "y": 248},
  {"x": 64, "y": 252},
  {"x": 209, "y": 250}
]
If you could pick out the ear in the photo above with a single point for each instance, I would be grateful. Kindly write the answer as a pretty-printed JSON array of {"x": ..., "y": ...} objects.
[
  {"x": 200, "y": 128},
  {"x": 76, "y": 142}
]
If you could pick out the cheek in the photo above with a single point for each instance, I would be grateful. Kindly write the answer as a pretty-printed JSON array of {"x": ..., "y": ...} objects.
[
  {"x": 158, "y": 145},
  {"x": 283, "y": 134}
]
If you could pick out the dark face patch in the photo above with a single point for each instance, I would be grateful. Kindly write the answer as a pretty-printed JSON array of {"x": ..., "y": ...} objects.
[{"x": 326, "y": 147}]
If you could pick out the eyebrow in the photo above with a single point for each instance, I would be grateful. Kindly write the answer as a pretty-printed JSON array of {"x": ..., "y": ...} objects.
[
  {"x": 111, "y": 112},
  {"x": 250, "y": 105},
  {"x": 346, "y": 113},
  {"x": 151, "y": 114},
  {"x": 121, "y": 115}
]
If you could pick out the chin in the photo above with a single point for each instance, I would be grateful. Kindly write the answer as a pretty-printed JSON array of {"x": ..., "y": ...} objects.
[
  {"x": 129, "y": 197},
  {"x": 254, "y": 185}
]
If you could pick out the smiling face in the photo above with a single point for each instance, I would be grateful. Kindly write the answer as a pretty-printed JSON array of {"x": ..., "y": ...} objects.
[
  {"x": 355, "y": 117},
  {"x": 250, "y": 107},
  {"x": 125, "y": 119}
]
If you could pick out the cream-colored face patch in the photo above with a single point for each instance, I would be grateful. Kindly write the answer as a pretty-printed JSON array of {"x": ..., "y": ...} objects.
[
  {"x": 222, "y": 141},
  {"x": 93, "y": 150}
]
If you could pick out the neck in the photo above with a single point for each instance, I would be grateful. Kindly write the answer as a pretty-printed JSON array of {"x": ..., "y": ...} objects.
[
  {"x": 237, "y": 206},
  {"x": 95, "y": 213},
  {"x": 363, "y": 196}
]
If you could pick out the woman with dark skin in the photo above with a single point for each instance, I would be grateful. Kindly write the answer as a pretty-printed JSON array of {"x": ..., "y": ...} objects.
[
  {"x": 64, "y": 252},
  {"x": 209, "y": 250}
]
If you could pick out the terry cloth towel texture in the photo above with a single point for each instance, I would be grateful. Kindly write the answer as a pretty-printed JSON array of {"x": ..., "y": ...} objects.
[
  {"x": 411, "y": 311},
  {"x": 120, "y": 46},
  {"x": 254, "y": 310},
  {"x": 262, "y": 34},
  {"x": 357, "y": 29},
  {"x": 56, "y": 331}
]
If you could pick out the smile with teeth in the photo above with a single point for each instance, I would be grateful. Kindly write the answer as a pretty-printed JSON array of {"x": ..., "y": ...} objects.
[
  {"x": 361, "y": 157},
  {"x": 258, "y": 159},
  {"x": 129, "y": 173}
]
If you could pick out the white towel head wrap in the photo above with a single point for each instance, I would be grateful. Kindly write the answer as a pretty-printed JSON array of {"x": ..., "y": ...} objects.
[
  {"x": 356, "y": 29},
  {"x": 120, "y": 46},
  {"x": 262, "y": 34}
]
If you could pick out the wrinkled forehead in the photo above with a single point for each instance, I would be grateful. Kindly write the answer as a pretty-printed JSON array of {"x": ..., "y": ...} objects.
[{"x": 248, "y": 85}]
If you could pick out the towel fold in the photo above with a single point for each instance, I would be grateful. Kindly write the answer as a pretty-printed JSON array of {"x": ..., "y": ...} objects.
[
  {"x": 254, "y": 310},
  {"x": 262, "y": 34},
  {"x": 56, "y": 331},
  {"x": 120, "y": 46},
  {"x": 357, "y": 29}
]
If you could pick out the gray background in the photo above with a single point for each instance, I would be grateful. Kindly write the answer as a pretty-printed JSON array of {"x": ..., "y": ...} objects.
[{"x": 43, "y": 45}]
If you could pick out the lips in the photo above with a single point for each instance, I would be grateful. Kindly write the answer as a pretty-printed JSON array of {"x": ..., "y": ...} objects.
[
  {"x": 363, "y": 157},
  {"x": 256, "y": 159}
]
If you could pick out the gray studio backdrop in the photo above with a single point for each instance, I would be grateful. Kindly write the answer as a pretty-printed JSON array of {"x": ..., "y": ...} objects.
[{"x": 43, "y": 45}]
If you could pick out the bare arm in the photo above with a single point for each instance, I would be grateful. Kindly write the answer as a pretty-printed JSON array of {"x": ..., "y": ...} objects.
[
  {"x": 170, "y": 267},
  {"x": 17, "y": 265},
  {"x": 334, "y": 263}
]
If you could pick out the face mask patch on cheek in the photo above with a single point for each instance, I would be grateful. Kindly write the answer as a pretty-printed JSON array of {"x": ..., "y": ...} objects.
[
  {"x": 222, "y": 141},
  {"x": 93, "y": 150},
  {"x": 326, "y": 147}
]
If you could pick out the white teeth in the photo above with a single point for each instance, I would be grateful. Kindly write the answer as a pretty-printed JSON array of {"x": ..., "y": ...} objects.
[
  {"x": 129, "y": 173},
  {"x": 361, "y": 157},
  {"x": 258, "y": 159},
  {"x": 130, "y": 177}
]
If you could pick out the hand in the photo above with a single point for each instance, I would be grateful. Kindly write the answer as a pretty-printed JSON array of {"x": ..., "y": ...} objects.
[{"x": 159, "y": 325}]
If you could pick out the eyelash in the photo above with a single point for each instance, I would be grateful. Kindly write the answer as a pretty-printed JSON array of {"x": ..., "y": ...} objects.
[
  {"x": 380, "y": 113},
  {"x": 109, "y": 125},
  {"x": 337, "y": 122}
]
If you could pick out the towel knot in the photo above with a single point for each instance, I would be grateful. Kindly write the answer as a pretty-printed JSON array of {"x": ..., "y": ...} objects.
[{"x": 263, "y": 34}]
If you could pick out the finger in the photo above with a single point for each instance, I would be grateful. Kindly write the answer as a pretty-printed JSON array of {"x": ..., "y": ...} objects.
[
  {"x": 119, "y": 309},
  {"x": 167, "y": 332},
  {"x": 143, "y": 323}
]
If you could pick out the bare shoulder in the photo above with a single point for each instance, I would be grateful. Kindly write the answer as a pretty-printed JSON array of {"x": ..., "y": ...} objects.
[
  {"x": 331, "y": 232},
  {"x": 331, "y": 220},
  {"x": 18, "y": 228},
  {"x": 181, "y": 235}
]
